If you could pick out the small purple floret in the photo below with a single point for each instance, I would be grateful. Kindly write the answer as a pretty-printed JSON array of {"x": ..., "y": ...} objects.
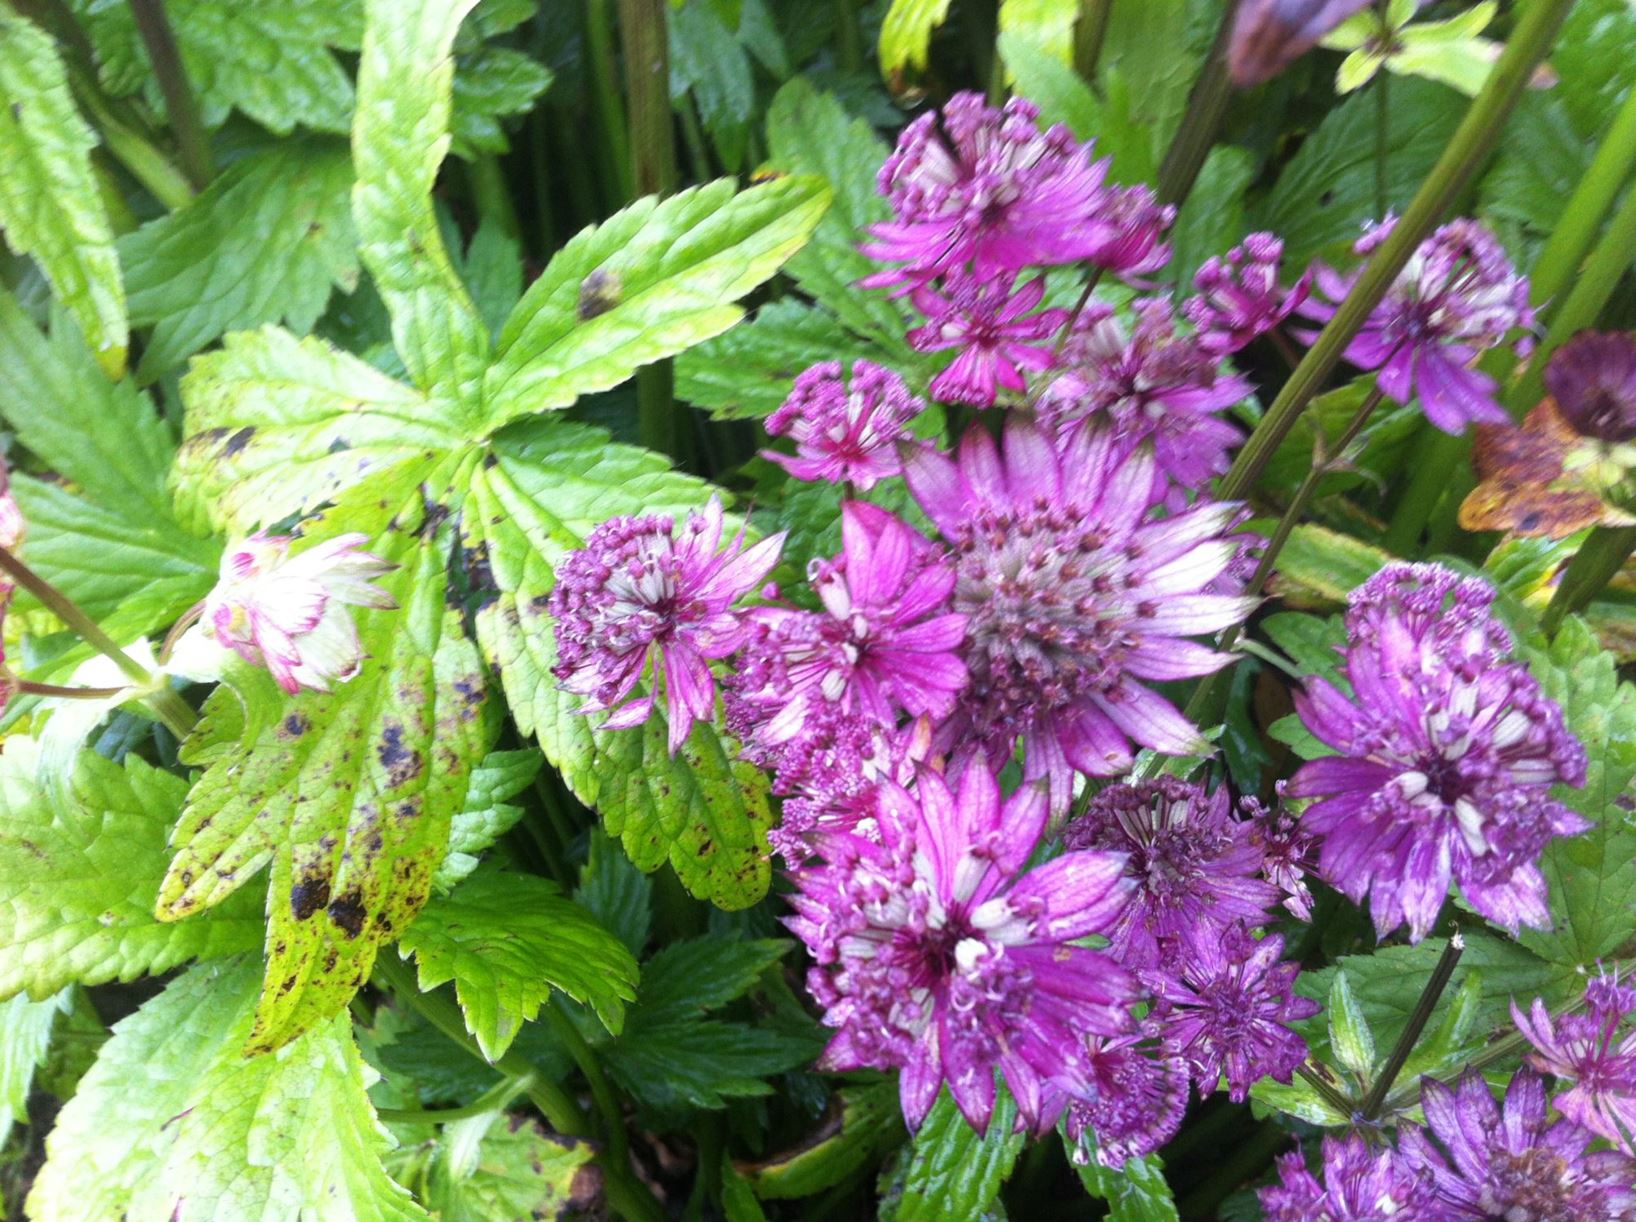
[{"x": 844, "y": 433}]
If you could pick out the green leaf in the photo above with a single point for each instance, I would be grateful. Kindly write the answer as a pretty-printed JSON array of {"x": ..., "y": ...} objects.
[
  {"x": 746, "y": 372},
  {"x": 80, "y": 866},
  {"x": 507, "y": 1167},
  {"x": 685, "y": 979},
  {"x": 1593, "y": 57},
  {"x": 651, "y": 280},
  {"x": 263, "y": 243},
  {"x": 349, "y": 794},
  {"x": 1322, "y": 566},
  {"x": 280, "y": 425},
  {"x": 906, "y": 35},
  {"x": 50, "y": 203},
  {"x": 1047, "y": 24},
  {"x": 486, "y": 816},
  {"x": 508, "y": 940},
  {"x": 1212, "y": 219},
  {"x": 738, "y": 1199},
  {"x": 1136, "y": 1192},
  {"x": 25, "y": 1042},
  {"x": 172, "y": 1112},
  {"x": 1591, "y": 877},
  {"x": 616, "y": 892},
  {"x": 952, "y": 1172},
  {"x": 273, "y": 61},
  {"x": 707, "y": 59},
  {"x": 1327, "y": 190},
  {"x": 536, "y": 497},
  {"x": 492, "y": 83},
  {"x": 1349, "y": 1034},
  {"x": 400, "y": 134},
  {"x": 862, "y": 1122},
  {"x": 1152, "y": 53},
  {"x": 1311, "y": 642},
  {"x": 493, "y": 271},
  {"x": 810, "y": 133},
  {"x": 1063, "y": 97}
]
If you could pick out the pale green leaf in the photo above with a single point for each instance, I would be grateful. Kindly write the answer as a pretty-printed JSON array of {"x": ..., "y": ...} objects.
[
  {"x": 279, "y": 425},
  {"x": 25, "y": 1041},
  {"x": 400, "y": 134},
  {"x": 50, "y": 204},
  {"x": 1349, "y": 1034},
  {"x": 80, "y": 866},
  {"x": 651, "y": 280},
  {"x": 263, "y": 243},
  {"x": 1357, "y": 70},
  {"x": 810, "y": 133},
  {"x": 906, "y": 34},
  {"x": 1063, "y": 97},
  {"x": 486, "y": 816},
  {"x": 952, "y": 1172},
  {"x": 508, "y": 940},
  {"x": 515, "y": 1169},
  {"x": 1136, "y": 1192},
  {"x": 348, "y": 794},
  {"x": 1322, "y": 566},
  {"x": 534, "y": 500},
  {"x": 1463, "y": 65},
  {"x": 1048, "y": 24},
  {"x": 172, "y": 1121},
  {"x": 863, "y": 1122}
]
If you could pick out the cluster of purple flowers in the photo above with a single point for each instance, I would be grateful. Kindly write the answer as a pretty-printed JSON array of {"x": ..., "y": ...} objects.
[{"x": 1074, "y": 557}]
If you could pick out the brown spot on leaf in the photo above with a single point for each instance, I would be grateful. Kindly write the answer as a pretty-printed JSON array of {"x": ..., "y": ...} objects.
[
  {"x": 347, "y": 912},
  {"x": 294, "y": 726},
  {"x": 308, "y": 896},
  {"x": 238, "y": 441},
  {"x": 403, "y": 764},
  {"x": 598, "y": 293}
]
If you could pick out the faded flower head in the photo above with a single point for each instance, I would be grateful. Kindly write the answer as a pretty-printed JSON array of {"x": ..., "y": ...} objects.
[
  {"x": 1193, "y": 864},
  {"x": 289, "y": 613},
  {"x": 884, "y": 644},
  {"x": 1590, "y": 1051},
  {"x": 640, "y": 591},
  {"x": 1151, "y": 385},
  {"x": 844, "y": 433},
  {"x": 993, "y": 327},
  {"x": 1137, "y": 1102},
  {"x": 1269, "y": 35},
  {"x": 1228, "y": 1008},
  {"x": 1073, "y": 597},
  {"x": 1592, "y": 377},
  {"x": 1239, "y": 298},
  {"x": 1355, "y": 1184},
  {"x": 1447, "y": 752},
  {"x": 1513, "y": 1162},
  {"x": 1458, "y": 296},
  {"x": 935, "y": 953}
]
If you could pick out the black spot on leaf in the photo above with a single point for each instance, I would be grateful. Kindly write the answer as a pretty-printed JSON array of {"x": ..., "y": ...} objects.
[
  {"x": 308, "y": 896},
  {"x": 598, "y": 293},
  {"x": 238, "y": 441},
  {"x": 347, "y": 912}
]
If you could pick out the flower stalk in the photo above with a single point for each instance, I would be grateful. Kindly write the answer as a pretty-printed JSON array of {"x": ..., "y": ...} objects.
[
  {"x": 181, "y": 107},
  {"x": 1399, "y": 1056},
  {"x": 1206, "y": 108}
]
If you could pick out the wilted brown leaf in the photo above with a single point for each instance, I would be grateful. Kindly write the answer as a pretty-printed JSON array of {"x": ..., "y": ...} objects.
[{"x": 1524, "y": 487}]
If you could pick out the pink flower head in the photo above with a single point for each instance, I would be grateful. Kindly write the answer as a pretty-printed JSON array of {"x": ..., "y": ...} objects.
[
  {"x": 994, "y": 330},
  {"x": 986, "y": 188},
  {"x": 1589, "y": 1051},
  {"x": 844, "y": 434},
  {"x": 1074, "y": 597},
  {"x": 1592, "y": 377},
  {"x": 937, "y": 954},
  {"x": 1129, "y": 227},
  {"x": 1138, "y": 1101},
  {"x": 1269, "y": 35},
  {"x": 1458, "y": 296},
  {"x": 884, "y": 643},
  {"x": 635, "y": 593},
  {"x": 1239, "y": 299},
  {"x": 1151, "y": 386},
  {"x": 1288, "y": 854},
  {"x": 1228, "y": 1010},
  {"x": 1513, "y": 1162},
  {"x": 1447, "y": 752},
  {"x": 1194, "y": 866},
  {"x": 288, "y": 613},
  {"x": 1358, "y": 1184}
]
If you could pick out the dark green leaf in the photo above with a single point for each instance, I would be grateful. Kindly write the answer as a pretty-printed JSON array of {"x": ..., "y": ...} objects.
[
  {"x": 862, "y": 1122},
  {"x": 952, "y": 1172}
]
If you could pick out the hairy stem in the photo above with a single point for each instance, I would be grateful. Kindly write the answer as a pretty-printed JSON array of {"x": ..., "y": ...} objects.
[
  {"x": 1417, "y": 1022},
  {"x": 181, "y": 107},
  {"x": 1466, "y": 153}
]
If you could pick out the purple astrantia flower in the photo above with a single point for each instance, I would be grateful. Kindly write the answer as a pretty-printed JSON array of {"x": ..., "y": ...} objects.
[
  {"x": 1073, "y": 597},
  {"x": 1447, "y": 752},
  {"x": 639, "y": 591},
  {"x": 1137, "y": 1103},
  {"x": 1130, "y": 226},
  {"x": 1592, "y": 377},
  {"x": 1269, "y": 35},
  {"x": 844, "y": 433},
  {"x": 1193, "y": 864},
  {"x": 1458, "y": 296},
  {"x": 289, "y": 613},
  {"x": 1288, "y": 854},
  {"x": 992, "y": 326},
  {"x": 935, "y": 952},
  {"x": 1239, "y": 299},
  {"x": 1588, "y": 1050},
  {"x": 884, "y": 643},
  {"x": 1357, "y": 1184},
  {"x": 1151, "y": 385},
  {"x": 986, "y": 188},
  {"x": 1228, "y": 1008},
  {"x": 1513, "y": 1162}
]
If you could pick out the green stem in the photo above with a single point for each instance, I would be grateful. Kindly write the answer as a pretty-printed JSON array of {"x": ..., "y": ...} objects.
[
  {"x": 146, "y": 163},
  {"x": 628, "y": 1196},
  {"x": 181, "y": 108},
  {"x": 613, "y": 1117},
  {"x": 1417, "y": 1022},
  {"x": 491, "y": 196},
  {"x": 609, "y": 104},
  {"x": 1593, "y": 566},
  {"x": 1383, "y": 126},
  {"x": 1090, "y": 34},
  {"x": 848, "y": 37},
  {"x": 1206, "y": 108},
  {"x": 495, "y": 1099},
  {"x": 57, "y": 691},
  {"x": 1582, "y": 214},
  {"x": 1466, "y": 153},
  {"x": 1326, "y": 1090}
]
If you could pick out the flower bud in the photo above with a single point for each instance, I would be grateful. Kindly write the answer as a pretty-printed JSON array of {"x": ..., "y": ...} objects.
[{"x": 1270, "y": 35}]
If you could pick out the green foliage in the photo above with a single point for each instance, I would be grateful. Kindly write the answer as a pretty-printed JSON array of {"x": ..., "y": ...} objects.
[
  {"x": 504, "y": 1167},
  {"x": 1064, "y": 97},
  {"x": 906, "y": 33},
  {"x": 952, "y": 1172},
  {"x": 80, "y": 866},
  {"x": 864, "y": 1122},
  {"x": 50, "y": 205},
  {"x": 1137, "y": 1192},
  {"x": 486, "y": 815},
  {"x": 263, "y": 244},
  {"x": 172, "y": 1112},
  {"x": 508, "y": 940},
  {"x": 25, "y": 1042}
]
